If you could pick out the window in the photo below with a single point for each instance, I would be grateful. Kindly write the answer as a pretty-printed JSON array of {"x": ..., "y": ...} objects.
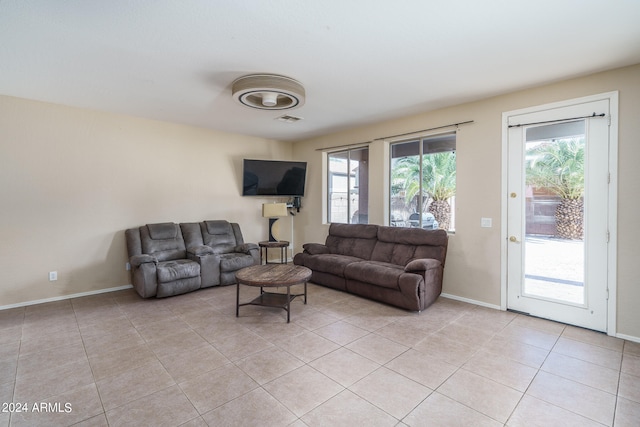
[
  {"x": 423, "y": 182},
  {"x": 349, "y": 186}
]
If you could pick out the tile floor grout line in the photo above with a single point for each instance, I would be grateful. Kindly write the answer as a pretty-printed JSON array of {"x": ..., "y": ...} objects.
[{"x": 448, "y": 315}]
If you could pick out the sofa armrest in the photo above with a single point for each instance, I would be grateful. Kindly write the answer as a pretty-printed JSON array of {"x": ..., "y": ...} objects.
[
  {"x": 200, "y": 250},
  {"x": 138, "y": 260},
  {"x": 422, "y": 264},
  {"x": 246, "y": 248},
  {"x": 315, "y": 248}
]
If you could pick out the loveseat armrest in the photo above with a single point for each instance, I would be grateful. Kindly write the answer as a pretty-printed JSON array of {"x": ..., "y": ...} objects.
[
  {"x": 138, "y": 260},
  {"x": 246, "y": 248},
  {"x": 422, "y": 264},
  {"x": 199, "y": 250},
  {"x": 315, "y": 248}
]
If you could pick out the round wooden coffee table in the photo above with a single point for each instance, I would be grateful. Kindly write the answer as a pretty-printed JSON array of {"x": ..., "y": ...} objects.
[{"x": 271, "y": 276}]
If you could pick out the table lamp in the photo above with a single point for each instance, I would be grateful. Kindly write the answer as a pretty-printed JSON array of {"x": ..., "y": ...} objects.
[{"x": 273, "y": 211}]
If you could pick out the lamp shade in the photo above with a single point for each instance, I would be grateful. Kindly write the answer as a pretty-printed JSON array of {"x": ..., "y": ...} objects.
[{"x": 274, "y": 210}]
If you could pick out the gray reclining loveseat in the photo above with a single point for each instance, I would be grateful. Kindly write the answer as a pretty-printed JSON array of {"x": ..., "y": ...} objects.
[
  {"x": 170, "y": 259},
  {"x": 399, "y": 266}
]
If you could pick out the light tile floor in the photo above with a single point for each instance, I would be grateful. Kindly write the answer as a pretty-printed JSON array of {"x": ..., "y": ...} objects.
[{"x": 115, "y": 359}]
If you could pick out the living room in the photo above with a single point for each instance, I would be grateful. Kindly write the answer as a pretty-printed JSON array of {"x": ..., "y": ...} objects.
[
  {"x": 63, "y": 174},
  {"x": 75, "y": 178}
]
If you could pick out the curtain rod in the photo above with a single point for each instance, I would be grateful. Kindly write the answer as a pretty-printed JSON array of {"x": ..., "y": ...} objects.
[
  {"x": 426, "y": 130},
  {"x": 558, "y": 120},
  {"x": 362, "y": 144},
  {"x": 355, "y": 145}
]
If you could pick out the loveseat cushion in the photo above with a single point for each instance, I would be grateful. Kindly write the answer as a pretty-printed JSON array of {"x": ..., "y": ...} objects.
[
  {"x": 218, "y": 233},
  {"x": 245, "y": 248},
  {"x": 178, "y": 287},
  {"x": 376, "y": 273},
  {"x": 329, "y": 263},
  {"x": 163, "y": 231},
  {"x": 235, "y": 261},
  {"x": 200, "y": 250},
  {"x": 163, "y": 240},
  {"x": 169, "y": 271},
  {"x": 222, "y": 249}
]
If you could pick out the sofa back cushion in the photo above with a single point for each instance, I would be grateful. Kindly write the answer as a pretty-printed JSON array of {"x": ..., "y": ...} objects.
[
  {"x": 356, "y": 240},
  {"x": 218, "y": 235},
  {"x": 394, "y": 253},
  {"x": 163, "y": 240},
  {"x": 399, "y": 245}
]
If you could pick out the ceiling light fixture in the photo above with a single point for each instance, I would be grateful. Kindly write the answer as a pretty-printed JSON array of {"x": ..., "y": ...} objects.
[{"x": 268, "y": 92}]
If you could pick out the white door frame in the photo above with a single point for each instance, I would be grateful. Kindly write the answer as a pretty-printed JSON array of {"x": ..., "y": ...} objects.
[{"x": 612, "y": 202}]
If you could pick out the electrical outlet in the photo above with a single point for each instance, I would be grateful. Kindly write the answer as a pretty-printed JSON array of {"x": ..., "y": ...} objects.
[
  {"x": 127, "y": 266},
  {"x": 53, "y": 276}
]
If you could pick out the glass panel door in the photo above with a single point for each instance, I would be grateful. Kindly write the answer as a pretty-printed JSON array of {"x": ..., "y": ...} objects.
[
  {"x": 554, "y": 205},
  {"x": 557, "y": 214}
]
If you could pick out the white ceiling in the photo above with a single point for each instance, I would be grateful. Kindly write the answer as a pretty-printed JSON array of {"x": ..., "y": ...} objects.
[{"x": 360, "y": 61}]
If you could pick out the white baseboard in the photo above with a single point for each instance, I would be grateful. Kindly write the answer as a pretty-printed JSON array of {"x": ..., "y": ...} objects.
[
  {"x": 471, "y": 301},
  {"x": 628, "y": 337},
  {"x": 497, "y": 307},
  {"x": 63, "y": 297}
]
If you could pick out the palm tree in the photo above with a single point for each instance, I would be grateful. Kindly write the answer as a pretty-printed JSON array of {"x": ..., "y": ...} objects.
[
  {"x": 558, "y": 166},
  {"x": 405, "y": 179},
  {"x": 439, "y": 172},
  {"x": 438, "y": 183}
]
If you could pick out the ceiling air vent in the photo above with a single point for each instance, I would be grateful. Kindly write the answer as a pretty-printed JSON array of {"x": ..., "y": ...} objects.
[{"x": 288, "y": 119}]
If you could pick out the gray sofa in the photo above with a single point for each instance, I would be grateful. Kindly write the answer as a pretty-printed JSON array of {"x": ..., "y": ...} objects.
[
  {"x": 398, "y": 266},
  {"x": 170, "y": 259}
]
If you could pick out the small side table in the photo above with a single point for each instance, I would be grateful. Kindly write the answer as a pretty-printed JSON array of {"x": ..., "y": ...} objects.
[{"x": 266, "y": 245}]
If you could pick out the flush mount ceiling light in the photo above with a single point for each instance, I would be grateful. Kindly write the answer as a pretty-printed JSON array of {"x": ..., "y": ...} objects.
[{"x": 268, "y": 92}]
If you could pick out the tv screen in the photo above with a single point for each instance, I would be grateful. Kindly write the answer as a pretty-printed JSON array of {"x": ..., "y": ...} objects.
[{"x": 273, "y": 178}]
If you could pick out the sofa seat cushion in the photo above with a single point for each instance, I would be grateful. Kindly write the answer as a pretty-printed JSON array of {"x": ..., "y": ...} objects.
[
  {"x": 222, "y": 249},
  {"x": 235, "y": 261},
  {"x": 377, "y": 273},
  {"x": 330, "y": 263},
  {"x": 169, "y": 271}
]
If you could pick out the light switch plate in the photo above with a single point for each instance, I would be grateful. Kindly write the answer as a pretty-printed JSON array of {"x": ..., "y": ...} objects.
[{"x": 485, "y": 222}]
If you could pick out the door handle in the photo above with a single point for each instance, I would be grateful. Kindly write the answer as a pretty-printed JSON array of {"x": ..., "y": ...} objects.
[{"x": 513, "y": 239}]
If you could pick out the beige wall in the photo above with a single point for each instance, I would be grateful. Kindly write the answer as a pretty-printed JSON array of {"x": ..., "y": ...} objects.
[
  {"x": 473, "y": 268},
  {"x": 73, "y": 180}
]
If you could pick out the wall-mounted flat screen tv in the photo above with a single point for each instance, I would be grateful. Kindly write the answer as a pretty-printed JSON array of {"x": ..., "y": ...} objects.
[{"x": 273, "y": 178}]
